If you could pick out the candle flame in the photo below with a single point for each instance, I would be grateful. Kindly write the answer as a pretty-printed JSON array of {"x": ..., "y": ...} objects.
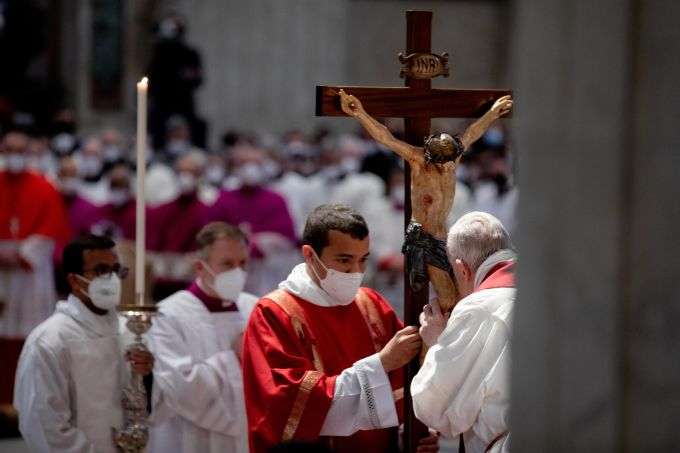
[{"x": 144, "y": 82}]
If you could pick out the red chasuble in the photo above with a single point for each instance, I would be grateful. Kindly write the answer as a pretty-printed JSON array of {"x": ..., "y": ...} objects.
[{"x": 293, "y": 351}]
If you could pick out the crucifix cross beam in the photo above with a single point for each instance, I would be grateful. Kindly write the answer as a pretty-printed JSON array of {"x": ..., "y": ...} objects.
[
  {"x": 407, "y": 102},
  {"x": 417, "y": 103}
]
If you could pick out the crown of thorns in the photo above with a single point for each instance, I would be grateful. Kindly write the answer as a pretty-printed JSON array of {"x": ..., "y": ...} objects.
[{"x": 442, "y": 148}]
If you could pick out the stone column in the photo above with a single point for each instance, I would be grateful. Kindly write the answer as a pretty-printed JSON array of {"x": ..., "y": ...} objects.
[{"x": 595, "y": 361}]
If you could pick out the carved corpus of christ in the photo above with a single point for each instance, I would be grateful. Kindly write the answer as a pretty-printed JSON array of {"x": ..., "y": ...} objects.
[{"x": 433, "y": 185}]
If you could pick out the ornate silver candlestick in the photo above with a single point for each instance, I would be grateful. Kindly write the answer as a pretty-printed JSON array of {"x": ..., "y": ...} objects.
[{"x": 134, "y": 435}]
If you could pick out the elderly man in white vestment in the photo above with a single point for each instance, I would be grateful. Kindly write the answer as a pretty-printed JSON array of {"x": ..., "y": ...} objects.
[
  {"x": 198, "y": 385},
  {"x": 463, "y": 386},
  {"x": 72, "y": 370}
]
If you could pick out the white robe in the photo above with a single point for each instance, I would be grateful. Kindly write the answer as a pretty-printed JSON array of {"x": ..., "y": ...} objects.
[
  {"x": 363, "y": 393},
  {"x": 302, "y": 195},
  {"x": 29, "y": 296},
  {"x": 198, "y": 403},
  {"x": 463, "y": 385},
  {"x": 69, "y": 381}
]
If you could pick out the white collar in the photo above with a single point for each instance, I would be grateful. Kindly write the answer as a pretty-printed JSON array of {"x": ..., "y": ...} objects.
[
  {"x": 300, "y": 284},
  {"x": 104, "y": 325},
  {"x": 491, "y": 262}
]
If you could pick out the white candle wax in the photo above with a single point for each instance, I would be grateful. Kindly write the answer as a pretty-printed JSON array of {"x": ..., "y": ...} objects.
[{"x": 140, "y": 238}]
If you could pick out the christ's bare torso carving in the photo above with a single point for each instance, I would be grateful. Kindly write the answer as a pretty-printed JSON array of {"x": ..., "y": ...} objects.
[{"x": 433, "y": 179}]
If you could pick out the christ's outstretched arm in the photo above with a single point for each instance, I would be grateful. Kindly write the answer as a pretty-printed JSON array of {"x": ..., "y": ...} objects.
[
  {"x": 352, "y": 107},
  {"x": 477, "y": 129}
]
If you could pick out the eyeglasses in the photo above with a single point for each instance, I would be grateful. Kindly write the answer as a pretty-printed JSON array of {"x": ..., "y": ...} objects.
[{"x": 102, "y": 269}]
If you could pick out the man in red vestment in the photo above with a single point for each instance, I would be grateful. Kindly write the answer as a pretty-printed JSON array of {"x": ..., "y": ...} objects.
[
  {"x": 33, "y": 224},
  {"x": 322, "y": 356}
]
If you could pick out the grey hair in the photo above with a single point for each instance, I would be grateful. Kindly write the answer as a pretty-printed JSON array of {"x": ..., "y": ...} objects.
[
  {"x": 475, "y": 237},
  {"x": 196, "y": 157}
]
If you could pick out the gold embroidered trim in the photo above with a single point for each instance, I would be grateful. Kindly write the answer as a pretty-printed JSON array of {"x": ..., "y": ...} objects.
[
  {"x": 371, "y": 316},
  {"x": 308, "y": 382},
  {"x": 297, "y": 319}
]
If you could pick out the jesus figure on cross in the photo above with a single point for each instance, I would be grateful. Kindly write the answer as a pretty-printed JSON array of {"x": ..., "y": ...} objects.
[{"x": 433, "y": 185}]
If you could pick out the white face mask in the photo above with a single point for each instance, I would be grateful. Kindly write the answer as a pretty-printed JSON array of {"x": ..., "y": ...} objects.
[
  {"x": 341, "y": 286},
  {"x": 112, "y": 153},
  {"x": 15, "y": 162},
  {"x": 90, "y": 166},
  {"x": 215, "y": 175},
  {"x": 178, "y": 147},
  {"x": 187, "y": 182},
  {"x": 251, "y": 174},
  {"x": 118, "y": 197},
  {"x": 104, "y": 291},
  {"x": 228, "y": 284}
]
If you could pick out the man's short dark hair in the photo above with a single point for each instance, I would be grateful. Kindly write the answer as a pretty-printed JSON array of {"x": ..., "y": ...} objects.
[
  {"x": 73, "y": 260},
  {"x": 329, "y": 217}
]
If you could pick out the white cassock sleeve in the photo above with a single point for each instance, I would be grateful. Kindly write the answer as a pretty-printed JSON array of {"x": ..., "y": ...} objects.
[
  {"x": 41, "y": 398},
  {"x": 449, "y": 389},
  {"x": 362, "y": 399},
  {"x": 208, "y": 393}
]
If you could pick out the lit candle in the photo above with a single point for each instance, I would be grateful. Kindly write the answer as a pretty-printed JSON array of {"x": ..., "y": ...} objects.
[{"x": 140, "y": 252}]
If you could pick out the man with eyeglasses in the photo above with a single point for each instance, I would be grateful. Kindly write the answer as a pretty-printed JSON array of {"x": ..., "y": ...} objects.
[{"x": 72, "y": 370}]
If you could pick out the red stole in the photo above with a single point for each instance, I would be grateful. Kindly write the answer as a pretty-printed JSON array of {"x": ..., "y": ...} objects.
[
  {"x": 287, "y": 397},
  {"x": 502, "y": 275}
]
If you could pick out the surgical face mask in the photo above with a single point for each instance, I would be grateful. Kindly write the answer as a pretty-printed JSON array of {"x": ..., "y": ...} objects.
[
  {"x": 215, "y": 175},
  {"x": 271, "y": 169},
  {"x": 494, "y": 136},
  {"x": 104, "y": 291},
  {"x": 118, "y": 197},
  {"x": 187, "y": 182},
  {"x": 341, "y": 286},
  {"x": 63, "y": 143},
  {"x": 178, "y": 147},
  {"x": 228, "y": 284},
  {"x": 112, "y": 153},
  {"x": 251, "y": 174},
  {"x": 90, "y": 166},
  {"x": 350, "y": 165},
  {"x": 15, "y": 162}
]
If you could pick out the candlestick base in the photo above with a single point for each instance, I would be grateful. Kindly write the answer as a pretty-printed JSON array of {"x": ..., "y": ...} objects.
[{"x": 134, "y": 435}]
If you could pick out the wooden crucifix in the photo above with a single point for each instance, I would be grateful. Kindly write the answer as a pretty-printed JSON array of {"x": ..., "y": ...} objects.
[{"x": 418, "y": 103}]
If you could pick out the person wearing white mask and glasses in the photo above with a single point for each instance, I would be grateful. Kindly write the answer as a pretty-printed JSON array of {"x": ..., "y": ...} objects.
[
  {"x": 72, "y": 368},
  {"x": 198, "y": 387},
  {"x": 322, "y": 355}
]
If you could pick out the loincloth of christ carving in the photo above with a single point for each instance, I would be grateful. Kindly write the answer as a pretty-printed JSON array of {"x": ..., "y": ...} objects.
[{"x": 433, "y": 187}]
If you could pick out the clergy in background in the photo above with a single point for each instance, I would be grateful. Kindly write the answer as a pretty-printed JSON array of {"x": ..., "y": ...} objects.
[
  {"x": 174, "y": 247},
  {"x": 72, "y": 369},
  {"x": 322, "y": 355},
  {"x": 263, "y": 214},
  {"x": 463, "y": 386},
  {"x": 198, "y": 385},
  {"x": 33, "y": 225}
]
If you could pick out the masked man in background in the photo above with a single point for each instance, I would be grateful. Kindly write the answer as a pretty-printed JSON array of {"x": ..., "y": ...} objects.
[{"x": 198, "y": 386}]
